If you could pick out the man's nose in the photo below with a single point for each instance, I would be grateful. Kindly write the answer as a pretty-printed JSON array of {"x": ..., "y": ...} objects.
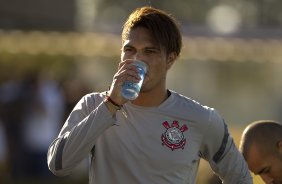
[{"x": 138, "y": 55}]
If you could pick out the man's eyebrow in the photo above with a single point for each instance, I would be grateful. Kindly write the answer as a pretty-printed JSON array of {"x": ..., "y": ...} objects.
[
  {"x": 128, "y": 45},
  {"x": 154, "y": 48},
  {"x": 260, "y": 171},
  {"x": 149, "y": 48}
]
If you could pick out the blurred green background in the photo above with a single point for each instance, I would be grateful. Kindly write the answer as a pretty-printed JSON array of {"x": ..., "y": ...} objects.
[{"x": 54, "y": 52}]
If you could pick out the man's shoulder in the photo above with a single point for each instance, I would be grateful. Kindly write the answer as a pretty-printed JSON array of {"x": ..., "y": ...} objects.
[
  {"x": 189, "y": 103},
  {"x": 189, "y": 108}
]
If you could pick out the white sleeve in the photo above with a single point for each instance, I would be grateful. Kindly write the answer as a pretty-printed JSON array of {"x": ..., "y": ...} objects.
[
  {"x": 222, "y": 154},
  {"x": 78, "y": 136}
]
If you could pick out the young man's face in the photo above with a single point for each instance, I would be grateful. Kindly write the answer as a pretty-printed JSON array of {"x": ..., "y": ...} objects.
[
  {"x": 142, "y": 46},
  {"x": 268, "y": 166}
]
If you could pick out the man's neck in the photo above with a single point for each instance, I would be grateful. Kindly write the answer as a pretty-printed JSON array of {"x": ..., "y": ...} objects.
[{"x": 152, "y": 98}]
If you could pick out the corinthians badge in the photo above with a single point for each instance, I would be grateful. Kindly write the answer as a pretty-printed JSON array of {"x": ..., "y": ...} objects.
[{"x": 173, "y": 136}]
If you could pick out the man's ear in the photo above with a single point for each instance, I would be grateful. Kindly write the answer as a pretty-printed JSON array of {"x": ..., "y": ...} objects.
[
  {"x": 279, "y": 146},
  {"x": 171, "y": 59}
]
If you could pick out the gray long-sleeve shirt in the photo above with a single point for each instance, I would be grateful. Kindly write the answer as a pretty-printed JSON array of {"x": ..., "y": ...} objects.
[{"x": 144, "y": 145}]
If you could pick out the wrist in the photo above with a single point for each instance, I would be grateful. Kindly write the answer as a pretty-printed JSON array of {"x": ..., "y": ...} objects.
[{"x": 111, "y": 104}]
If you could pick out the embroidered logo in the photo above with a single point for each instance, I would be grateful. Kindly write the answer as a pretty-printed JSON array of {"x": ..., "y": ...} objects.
[{"x": 173, "y": 136}]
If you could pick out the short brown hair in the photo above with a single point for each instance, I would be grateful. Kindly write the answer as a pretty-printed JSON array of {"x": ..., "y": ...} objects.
[
  {"x": 264, "y": 133},
  {"x": 163, "y": 27}
]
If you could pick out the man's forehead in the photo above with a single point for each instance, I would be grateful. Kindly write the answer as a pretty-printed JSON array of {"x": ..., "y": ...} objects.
[
  {"x": 132, "y": 43},
  {"x": 142, "y": 46},
  {"x": 141, "y": 34}
]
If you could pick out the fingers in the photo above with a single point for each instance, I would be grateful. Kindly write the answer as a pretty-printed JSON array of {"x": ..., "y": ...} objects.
[
  {"x": 126, "y": 72},
  {"x": 125, "y": 62}
]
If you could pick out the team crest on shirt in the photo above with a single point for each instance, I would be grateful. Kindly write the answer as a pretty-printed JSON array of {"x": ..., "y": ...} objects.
[{"x": 173, "y": 137}]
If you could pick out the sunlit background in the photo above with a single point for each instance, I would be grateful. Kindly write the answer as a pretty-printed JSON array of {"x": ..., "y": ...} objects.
[{"x": 54, "y": 52}]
